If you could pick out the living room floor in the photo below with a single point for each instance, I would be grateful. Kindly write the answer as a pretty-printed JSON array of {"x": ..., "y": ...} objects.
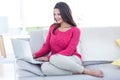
[
  {"x": 7, "y": 72},
  {"x": 7, "y": 69}
]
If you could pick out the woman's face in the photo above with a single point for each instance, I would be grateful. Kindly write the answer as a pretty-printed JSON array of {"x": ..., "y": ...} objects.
[{"x": 57, "y": 16}]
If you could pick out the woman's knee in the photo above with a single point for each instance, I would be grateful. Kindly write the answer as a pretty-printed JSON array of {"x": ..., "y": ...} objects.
[
  {"x": 56, "y": 57},
  {"x": 45, "y": 68}
]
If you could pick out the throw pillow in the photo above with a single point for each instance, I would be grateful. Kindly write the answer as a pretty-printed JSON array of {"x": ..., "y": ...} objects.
[
  {"x": 116, "y": 62},
  {"x": 27, "y": 69},
  {"x": 118, "y": 42}
]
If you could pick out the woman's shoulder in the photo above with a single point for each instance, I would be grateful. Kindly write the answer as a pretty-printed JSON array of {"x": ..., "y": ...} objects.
[
  {"x": 53, "y": 26},
  {"x": 75, "y": 28}
]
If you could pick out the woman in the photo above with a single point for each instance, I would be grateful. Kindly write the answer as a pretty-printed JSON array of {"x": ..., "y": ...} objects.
[{"x": 62, "y": 41}]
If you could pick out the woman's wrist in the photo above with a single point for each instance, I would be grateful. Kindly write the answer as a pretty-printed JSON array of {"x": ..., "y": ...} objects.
[{"x": 34, "y": 56}]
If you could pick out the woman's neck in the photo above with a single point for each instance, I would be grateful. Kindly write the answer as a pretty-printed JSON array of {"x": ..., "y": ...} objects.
[{"x": 65, "y": 25}]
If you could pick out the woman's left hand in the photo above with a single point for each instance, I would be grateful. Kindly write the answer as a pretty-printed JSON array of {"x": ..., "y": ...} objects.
[{"x": 44, "y": 59}]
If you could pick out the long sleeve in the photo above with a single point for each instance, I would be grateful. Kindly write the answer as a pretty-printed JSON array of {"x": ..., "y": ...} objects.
[
  {"x": 46, "y": 46},
  {"x": 71, "y": 48}
]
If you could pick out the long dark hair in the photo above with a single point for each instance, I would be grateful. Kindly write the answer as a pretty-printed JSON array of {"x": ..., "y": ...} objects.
[{"x": 65, "y": 13}]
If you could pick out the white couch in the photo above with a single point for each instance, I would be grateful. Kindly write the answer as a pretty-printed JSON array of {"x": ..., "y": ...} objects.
[{"x": 97, "y": 46}]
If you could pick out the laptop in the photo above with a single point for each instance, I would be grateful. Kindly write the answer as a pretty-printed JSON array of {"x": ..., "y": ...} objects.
[{"x": 23, "y": 51}]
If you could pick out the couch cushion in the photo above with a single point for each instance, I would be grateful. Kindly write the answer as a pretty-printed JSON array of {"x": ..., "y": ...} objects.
[
  {"x": 30, "y": 78},
  {"x": 107, "y": 69},
  {"x": 98, "y": 43},
  {"x": 36, "y": 40},
  {"x": 27, "y": 69}
]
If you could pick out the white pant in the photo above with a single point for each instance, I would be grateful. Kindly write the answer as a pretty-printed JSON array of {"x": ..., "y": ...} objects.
[{"x": 62, "y": 65}]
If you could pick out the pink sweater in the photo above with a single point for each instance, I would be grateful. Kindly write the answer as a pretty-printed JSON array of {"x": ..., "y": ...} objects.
[{"x": 64, "y": 43}]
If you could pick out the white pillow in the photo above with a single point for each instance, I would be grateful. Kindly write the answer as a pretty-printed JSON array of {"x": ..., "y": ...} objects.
[
  {"x": 36, "y": 40},
  {"x": 98, "y": 43}
]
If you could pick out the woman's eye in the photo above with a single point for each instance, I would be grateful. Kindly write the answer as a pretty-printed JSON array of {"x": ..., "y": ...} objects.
[{"x": 57, "y": 15}]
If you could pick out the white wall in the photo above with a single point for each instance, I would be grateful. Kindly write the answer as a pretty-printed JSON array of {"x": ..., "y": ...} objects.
[
  {"x": 87, "y": 13},
  {"x": 99, "y": 13},
  {"x": 10, "y": 8},
  {"x": 3, "y": 24}
]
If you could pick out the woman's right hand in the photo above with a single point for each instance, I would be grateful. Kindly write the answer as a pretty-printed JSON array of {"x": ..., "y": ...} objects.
[{"x": 44, "y": 59}]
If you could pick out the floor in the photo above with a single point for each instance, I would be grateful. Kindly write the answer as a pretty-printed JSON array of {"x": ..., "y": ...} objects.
[{"x": 7, "y": 69}]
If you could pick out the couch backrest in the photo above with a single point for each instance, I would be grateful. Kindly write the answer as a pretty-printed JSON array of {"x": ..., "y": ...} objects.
[
  {"x": 98, "y": 43},
  {"x": 37, "y": 39}
]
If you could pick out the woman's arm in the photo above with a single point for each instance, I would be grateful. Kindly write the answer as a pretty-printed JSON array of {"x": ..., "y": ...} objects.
[
  {"x": 46, "y": 46},
  {"x": 73, "y": 43}
]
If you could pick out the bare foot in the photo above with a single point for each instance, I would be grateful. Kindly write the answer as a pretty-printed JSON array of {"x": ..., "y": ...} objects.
[{"x": 96, "y": 73}]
